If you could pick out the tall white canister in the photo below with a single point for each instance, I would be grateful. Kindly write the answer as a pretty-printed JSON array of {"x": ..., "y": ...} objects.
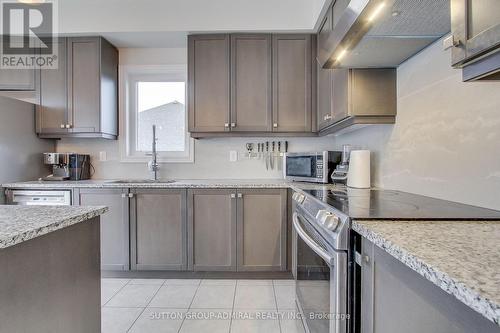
[{"x": 358, "y": 175}]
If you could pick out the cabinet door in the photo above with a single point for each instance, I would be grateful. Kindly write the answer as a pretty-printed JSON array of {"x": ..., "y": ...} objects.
[
  {"x": 340, "y": 95},
  {"x": 292, "y": 69},
  {"x": 84, "y": 84},
  {"x": 208, "y": 83},
  {"x": 476, "y": 24},
  {"x": 323, "y": 34},
  {"x": 398, "y": 299},
  {"x": 114, "y": 225},
  {"x": 212, "y": 230},
  {"x": 158, "y": 229},
  {"x": 261, "y": 230},
  {"x": 251, "y": 88},
  {"x": 53, "y": 109},
  {"x": 324, "y": 95}
]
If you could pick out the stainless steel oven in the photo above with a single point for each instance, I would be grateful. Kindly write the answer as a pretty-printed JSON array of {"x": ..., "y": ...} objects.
[
  {"x": 316, "y": 167},
  {"x": 320, "y": 271}
]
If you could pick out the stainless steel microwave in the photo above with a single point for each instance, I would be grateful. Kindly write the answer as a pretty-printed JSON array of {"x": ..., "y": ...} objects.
[{"x": 315, "y": 167}]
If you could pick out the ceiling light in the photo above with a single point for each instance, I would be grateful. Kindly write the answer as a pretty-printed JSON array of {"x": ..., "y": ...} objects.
[
  {"x": 395, "y": 13},
  {"x": 376, "y": 12}
]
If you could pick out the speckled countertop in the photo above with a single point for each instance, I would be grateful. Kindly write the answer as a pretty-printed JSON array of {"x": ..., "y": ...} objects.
[
  {"x": 21, "y": 223},
  {"x": 460, "y": 257},
  {"x": 181, "y": 183}
]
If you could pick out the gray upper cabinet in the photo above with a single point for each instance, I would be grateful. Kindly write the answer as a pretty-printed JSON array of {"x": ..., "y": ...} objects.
[
  {"x": 324, "y": 76},
  {"x": 394, "y": 296},
  {"x": 292, "y": 89},
  {"x": 358, "y": 96},
  {"x": 158, "y": 229},
  {"x": 114, "y": 225},
  {"x": 250, "y": 84},
  {"x": 80, "y": 98},
  {"x": 212, "y": 230},
  {"x": 475, "y": 27},
  {"x": 52, "y": 112},
  {"x": 251, "y": 88},
  {"x": 208, "y": 83},
  {"x": 261, "y": 210}
]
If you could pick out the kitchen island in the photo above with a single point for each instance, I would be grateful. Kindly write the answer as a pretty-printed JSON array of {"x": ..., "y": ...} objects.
[
  {"x": 50, "y": 275},
  {"x": 430, "y": 274}
]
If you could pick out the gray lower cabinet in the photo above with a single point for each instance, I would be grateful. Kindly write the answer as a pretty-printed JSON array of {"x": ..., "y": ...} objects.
[
  {"x": 114, "y": 225},
  {"x": 212, "y": 229},
  {"x": 396, "y": 299},
  {"x": 261, "y": 229},
  {"x": 292, "y": 89},
  {"x": 158, "y": 224},
  {"x": 237, "y": 230}
]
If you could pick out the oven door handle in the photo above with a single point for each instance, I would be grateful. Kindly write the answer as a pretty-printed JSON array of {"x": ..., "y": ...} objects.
[{"x": 309, "y": 241}]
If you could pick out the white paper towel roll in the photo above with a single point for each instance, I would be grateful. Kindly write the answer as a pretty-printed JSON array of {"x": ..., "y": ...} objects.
[{"x": 358, "y": 175}]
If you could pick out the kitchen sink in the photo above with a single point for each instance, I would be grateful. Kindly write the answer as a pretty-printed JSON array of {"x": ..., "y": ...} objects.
[{"x": 140, "y": 181}]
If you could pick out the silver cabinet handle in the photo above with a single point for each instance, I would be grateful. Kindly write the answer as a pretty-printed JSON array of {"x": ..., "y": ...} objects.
[
  {"x": 124, "y": 195},
  {"x": 68, "y": 126},
  {"x": 62, "y": 126},
  {"x": 275, "y": 125},
  {"x": 226, "y": 125},
  {"x": 240, "y": 195},
  {"x": 131, "y": 195},
  {"x": 327, "y": 117},
  {"x": 233, "y": 195},
  {"x": 233, "y": 124}
]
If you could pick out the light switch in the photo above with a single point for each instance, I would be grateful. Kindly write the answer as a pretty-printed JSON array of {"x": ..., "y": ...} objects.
[
  {"x": 233, "y": 156},
  {"x": 102, "y": 156}
]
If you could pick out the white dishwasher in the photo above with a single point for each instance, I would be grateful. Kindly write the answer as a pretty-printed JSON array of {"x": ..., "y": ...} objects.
[{"x": 39, "y": 198}]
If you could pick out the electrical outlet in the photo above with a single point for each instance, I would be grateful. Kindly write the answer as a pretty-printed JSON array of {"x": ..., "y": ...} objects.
[
  {"x": 233, "y": 156},
  {"x": 102, "y": 156}
]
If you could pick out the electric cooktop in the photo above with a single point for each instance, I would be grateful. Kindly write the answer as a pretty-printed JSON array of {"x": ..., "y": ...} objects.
[{"x": 388, "y": 204}]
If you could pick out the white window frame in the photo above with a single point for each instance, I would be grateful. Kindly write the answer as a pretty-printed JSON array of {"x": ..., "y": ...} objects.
[{"x": 129, "y": 76}]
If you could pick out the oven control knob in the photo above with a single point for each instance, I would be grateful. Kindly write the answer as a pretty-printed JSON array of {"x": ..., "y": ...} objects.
[
  {"x": 299, "y": 198},
  {"x": 328, "y": 219}
]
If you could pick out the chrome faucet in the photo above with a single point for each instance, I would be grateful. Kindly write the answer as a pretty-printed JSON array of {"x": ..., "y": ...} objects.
[{"x": 153, "y": 165}]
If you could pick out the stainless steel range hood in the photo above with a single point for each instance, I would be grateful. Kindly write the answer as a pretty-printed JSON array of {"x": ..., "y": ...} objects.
[{"x": 383, "y": 33}]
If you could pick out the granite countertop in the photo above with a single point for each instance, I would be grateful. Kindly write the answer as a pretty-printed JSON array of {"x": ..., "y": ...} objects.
[
  {"x": 460, "y": 257},
  {"x": 22, "y": 223},
  {"x": 181, "y": 183}
]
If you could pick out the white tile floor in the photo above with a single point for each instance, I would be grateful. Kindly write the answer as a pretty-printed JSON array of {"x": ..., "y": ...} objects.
[{"x": 190, "y": 305}]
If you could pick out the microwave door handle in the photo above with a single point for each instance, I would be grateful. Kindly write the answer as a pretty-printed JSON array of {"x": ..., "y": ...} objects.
[{"x": 309, "y": 241}]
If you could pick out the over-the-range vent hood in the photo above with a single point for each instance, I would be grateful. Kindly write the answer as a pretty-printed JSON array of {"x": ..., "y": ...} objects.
[{"x": 383, "y": 33}]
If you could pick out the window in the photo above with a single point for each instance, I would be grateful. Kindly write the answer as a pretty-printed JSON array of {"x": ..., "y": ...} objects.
[{"x": 155, "y": 95}]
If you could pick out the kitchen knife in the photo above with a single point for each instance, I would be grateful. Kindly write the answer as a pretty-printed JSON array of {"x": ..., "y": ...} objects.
[
  {"x": 267, "y": 155},
  {"x": 271, "y": 158},
  {"x": 280, "y": 160}
]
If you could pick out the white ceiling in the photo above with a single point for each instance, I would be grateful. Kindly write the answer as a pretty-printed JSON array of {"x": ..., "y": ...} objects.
[{"x": 165, "y": 23}]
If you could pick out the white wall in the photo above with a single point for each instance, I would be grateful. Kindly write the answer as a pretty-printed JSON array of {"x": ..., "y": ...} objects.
[
  {"x": 445, "y": 143},
  {"x": 20, "y": 149}
]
